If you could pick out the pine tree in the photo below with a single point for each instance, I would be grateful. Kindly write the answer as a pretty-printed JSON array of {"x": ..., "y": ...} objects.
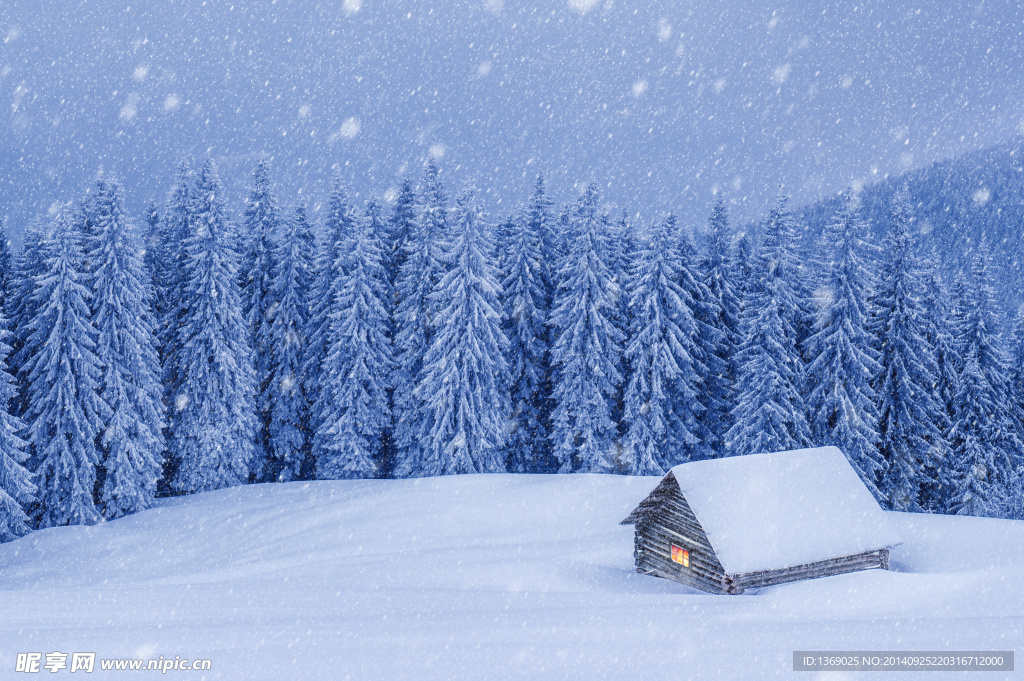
[
  {"x": 414, "y": 322},
  {"x": 29, "y": 266},
  {"x": 213, "y": 422},
  {"x": 909, "y": 442},
  {"x": 974, "y": 474},
  {"x": 171, "y": 304},
  {"x": 780, "y": 256},
  {"x": 724, "y": 311},
  {"x": 259, "y": 229},
  {"x": 980, "y": 338},
  {"x": 623, "y": 249},
  {"x": 699, "y": 442},
  {"x": 841, "y": 402},
  {"x": 153, "y": 239},
  {"x": 287, "y": 392},
  {"x": 65, "y": 413},
  {"x": 1017, "y": 360},
  {"x": 464, "y": 372},
  {"x": 353, "y": 402},
  {"x": 330, "y": 266},
  {"x": 17, "y": 491},
  {"x": 661, "y": 368},
  {"x": 586, "y": 347},
  {"x": 401, "y": 229},
  {"x": 743, "y": 273},
  {"x": 770, "y": 413},
  {"x": 539, "y": 222},
  {"x": 939, "y": 319},
  {"x": 938, "y": 336},
  {"x": 525, "y": 306},
  {"x": 131, "y": 438}
]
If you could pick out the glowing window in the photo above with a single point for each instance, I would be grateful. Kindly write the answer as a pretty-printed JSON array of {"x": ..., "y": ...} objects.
[{"x": 680, "y": 555}]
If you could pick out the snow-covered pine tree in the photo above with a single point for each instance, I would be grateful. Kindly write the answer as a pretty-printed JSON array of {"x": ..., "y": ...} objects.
[
  {"x": 703, "y": 349},
  {"x": 939, "y": 319},
  {"x": 623, "y": 248},
  {"x": 909, "y": 441},
  {"x": 1017, "y": 360},
  {"x": 30, "y": 266},
  {"x": 719, "y": 272},
  {"x": 379, "y": 228},
  {"x": 353, "y": 409},
  {"x": 780, "y": 253},
  {"x": 526, "y": 311},
  {"x": 562, "y": 243},
  {"x": 17, "y": 491},
  {"x": 413, "y": 322},
  {"x": 981, "y": 338},
  {"x": 287, "y": 391},
  {"x": 214, "y": 411},
  {"x": 401, "y": 229},
  {"x": 65, "y": 413},
  {"x": 661, "y": 370},
  {"x": 540, "y": 222},
  {"x": 688, "y": 434},
  {"x": 131, "y": 439},
  {"x": 770, "y": 414},
  {"x": 586, "y": 347},
  {"x": 153, "y": 242},
  {"x": 464, "y": 373},
  {"x": 938, "y": 334},
  {"x": 973, "y": 474},
  {"x": 171, "y": 304},
  {"x": 433, "y": 206},
  {"x": 259, "y": 234},
  {"x": 841, "y": 402},
  {"x": 330, "y": 265},
  {"x": 743, "y": 273}
]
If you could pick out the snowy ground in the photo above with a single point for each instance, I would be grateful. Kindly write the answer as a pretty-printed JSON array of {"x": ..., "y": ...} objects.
[{"x": 473, "y": 577}]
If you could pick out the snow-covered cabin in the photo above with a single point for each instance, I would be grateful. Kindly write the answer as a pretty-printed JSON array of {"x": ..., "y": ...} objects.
[{"x": 724, "y": 525}]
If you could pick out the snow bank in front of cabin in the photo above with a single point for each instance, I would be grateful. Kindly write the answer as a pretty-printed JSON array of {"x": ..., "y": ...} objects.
[
  {"x": 472, "y": 577},
  {"x": 769, "y": 511}
]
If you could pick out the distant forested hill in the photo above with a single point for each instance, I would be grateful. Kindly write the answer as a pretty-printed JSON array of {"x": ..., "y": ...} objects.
[{"x": 958, "y": 202}]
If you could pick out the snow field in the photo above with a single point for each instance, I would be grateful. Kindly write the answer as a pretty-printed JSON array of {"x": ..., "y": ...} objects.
[{"x": 482, "y": 577}]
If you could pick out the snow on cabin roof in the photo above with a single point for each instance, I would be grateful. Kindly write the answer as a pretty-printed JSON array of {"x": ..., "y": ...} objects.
[{"x": 770, "y": 511}]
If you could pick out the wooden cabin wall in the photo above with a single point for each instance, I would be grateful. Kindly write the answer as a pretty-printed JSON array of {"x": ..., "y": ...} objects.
[{"x": 669, "y": 520}]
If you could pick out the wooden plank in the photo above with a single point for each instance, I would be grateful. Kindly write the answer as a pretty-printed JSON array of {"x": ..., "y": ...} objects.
[
  {"x": 832, "y": 566},
  {"x": 676, "y": 512},
  {"x": 674, "y": 520},
  {"x": 668, "y": 535},
  {"x": 703, "y": 586}
]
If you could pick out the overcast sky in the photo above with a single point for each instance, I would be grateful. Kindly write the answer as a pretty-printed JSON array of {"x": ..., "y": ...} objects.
[{"x": 660, "y": 103}]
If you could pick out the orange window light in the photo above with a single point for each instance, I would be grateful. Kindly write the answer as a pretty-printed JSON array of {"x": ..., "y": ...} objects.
[{"x": 680, "y": 555}]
